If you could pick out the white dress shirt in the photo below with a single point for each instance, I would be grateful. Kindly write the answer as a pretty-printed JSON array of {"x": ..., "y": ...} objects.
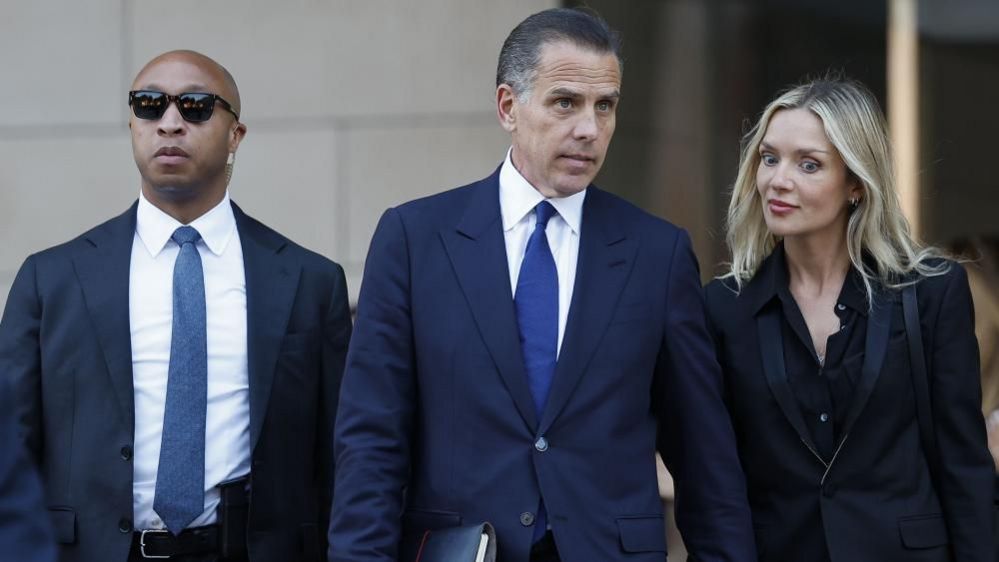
[
  {"x": 150, "y": 308},
  {"x": 517, "y": 201}
]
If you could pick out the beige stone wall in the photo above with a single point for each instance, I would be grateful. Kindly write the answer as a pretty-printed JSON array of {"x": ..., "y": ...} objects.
[{"x": 352, "y": 106}]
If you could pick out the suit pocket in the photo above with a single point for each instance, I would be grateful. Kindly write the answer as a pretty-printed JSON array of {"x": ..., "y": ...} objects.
[
  {"x": 642, "y": 533},
  {"x": 923, "y": 531},
  {"x": 64, "y": 524}
]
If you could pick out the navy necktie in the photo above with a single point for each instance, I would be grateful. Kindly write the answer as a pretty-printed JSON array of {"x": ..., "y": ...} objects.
[
  {"x": 180, "y": 478},
  {"x": 536, "y": 301}
]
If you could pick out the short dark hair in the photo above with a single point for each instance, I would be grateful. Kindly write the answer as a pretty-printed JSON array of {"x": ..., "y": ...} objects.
[{"x": 519, "y": 57}]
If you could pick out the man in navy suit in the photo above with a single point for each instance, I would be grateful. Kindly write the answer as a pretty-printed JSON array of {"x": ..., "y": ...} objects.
[
  {"x": 25, "y": 533},
  {"x": 177, "y": 367},
  {"x": 525, "y": 343}
]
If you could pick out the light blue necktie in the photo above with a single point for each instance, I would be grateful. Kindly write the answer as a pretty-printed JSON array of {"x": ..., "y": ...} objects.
[
  {"x": 536, "y": 301},
  {"x": 180, "y": 479}
]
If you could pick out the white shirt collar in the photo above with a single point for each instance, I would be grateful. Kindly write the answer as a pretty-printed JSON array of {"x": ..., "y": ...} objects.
[
  {"x": 518, "y": 197},
  {"x": 155, "y": 227}
]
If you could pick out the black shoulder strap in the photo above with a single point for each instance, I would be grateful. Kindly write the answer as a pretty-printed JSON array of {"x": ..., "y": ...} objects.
[{"x": 920, "y": 380}]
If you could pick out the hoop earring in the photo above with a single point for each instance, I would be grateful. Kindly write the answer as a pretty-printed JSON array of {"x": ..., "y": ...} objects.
[{"x": 854, "y": 202}]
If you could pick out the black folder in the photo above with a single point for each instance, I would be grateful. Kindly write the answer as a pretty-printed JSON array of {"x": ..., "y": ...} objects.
[{"x": 467, "y": 543}]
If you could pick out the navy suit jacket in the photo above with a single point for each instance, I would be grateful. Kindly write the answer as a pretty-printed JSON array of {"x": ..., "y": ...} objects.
[
  {"x": 437, "y": 426},
  {"x": 65, "y": 341},
  {"x": 25, "y": 533}
]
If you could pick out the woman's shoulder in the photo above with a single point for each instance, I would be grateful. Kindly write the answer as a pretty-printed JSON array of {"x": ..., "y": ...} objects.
[
  {"x": 940, "y": 273},
  {"x": 943, "y": 285},
  {"x": 722, "y": 288},
  {"x": 722, "y": 297}
]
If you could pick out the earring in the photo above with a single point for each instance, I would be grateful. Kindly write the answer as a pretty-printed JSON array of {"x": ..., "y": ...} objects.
[
  {"x": 854, "y": 202},
  {"x": 228, "y": 167}
]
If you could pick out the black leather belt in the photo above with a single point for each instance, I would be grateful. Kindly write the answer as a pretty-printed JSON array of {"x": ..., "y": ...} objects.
[{"x": 160, "y": 544}]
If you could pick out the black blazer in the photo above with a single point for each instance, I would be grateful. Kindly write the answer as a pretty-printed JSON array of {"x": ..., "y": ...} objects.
[
  {"x": 874, "y": 500},
  {"x": 65, "y": 342}
]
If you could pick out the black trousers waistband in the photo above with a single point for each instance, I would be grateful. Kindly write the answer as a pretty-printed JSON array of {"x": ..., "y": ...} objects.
[{"x": 196, "y": 543}]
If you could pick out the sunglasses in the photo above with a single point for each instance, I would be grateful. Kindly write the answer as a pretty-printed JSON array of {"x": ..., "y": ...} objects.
[{"x": 194, "y": 107}]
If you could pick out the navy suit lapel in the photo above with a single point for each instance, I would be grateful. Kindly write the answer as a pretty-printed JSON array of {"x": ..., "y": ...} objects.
[
  {"x": 606, "y": 257},
  {"x": 271, "y": 281},
  {"x": 477, "y": 251},
  {"x": 103, "y": 272}
]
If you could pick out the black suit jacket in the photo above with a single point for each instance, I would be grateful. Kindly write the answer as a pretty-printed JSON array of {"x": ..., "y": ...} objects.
[
  {"x": 875, "y": 499},
  {"x": 66, "y": 344}
]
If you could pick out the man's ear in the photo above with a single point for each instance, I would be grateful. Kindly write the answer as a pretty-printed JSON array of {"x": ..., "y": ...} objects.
[
  {"x": 236, "y": 136},
  {"x": 506, "y": 107}
]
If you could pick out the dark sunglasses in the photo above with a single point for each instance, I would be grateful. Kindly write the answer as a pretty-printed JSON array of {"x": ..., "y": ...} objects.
[{"x": 194, "y": 107}]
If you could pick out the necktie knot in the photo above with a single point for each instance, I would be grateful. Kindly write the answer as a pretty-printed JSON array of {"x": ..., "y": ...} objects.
[
  {"x": 543, "y": 212},
  {"x": 185, "y": 235}
]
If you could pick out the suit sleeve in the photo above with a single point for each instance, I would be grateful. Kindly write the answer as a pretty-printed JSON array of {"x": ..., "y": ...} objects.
[
  {"x": 336, "y": 336},
  {"x": 25, "y": 531},
  {"x": 696, "y": 439},
  {"x": 20, "y": 355},
  {"x": 377, "y": 403},
  {"x": 968, "y": 479}
]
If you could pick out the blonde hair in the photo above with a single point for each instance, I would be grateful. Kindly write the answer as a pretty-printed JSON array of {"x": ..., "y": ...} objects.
[{"x": 877, "y": 228}]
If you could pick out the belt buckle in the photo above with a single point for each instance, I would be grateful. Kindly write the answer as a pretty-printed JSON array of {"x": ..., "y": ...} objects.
[{"x": 142, "y": 543}]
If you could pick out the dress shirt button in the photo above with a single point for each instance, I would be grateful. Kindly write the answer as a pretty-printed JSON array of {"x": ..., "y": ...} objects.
[
  {"x": 125, "y": 525},
  {"x": 126, "y": 452},
  {"x": 823, "y": 417},
  {"x": 527, "y": 519},
  {"x": 840, "y": 306},
  {"x": 541, "y": 444}
]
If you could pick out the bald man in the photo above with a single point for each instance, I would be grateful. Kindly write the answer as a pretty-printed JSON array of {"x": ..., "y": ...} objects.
[{"x": 177, "y": 367}]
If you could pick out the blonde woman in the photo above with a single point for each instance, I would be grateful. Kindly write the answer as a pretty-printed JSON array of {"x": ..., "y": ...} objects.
[{"x": 810, "y": 332}]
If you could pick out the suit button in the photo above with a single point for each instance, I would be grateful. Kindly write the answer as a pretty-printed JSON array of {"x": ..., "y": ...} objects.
[
  {"x": 125, "y": 525},
  {"x": 823, "y": 417},
  {"x": 541, "y": 444},
  {"x": 828, "y": 490},
  {"x": 126, "y": 453},
  {"x": 527, "y": 519}
]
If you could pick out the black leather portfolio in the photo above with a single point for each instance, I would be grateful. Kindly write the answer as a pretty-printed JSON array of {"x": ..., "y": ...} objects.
[{"x": 467, "y": 543}]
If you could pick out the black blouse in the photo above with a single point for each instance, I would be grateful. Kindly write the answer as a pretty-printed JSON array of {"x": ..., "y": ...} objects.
[{"x": 823, "y": 389}]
